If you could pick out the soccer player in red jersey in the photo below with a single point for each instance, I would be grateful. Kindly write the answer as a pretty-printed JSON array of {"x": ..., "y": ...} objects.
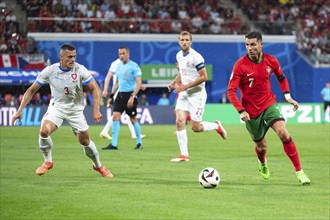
[{"x": 258, "y": 107}]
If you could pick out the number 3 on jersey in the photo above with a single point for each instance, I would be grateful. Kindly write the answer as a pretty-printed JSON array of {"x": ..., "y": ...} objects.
[{"x": 66, "y": 91}]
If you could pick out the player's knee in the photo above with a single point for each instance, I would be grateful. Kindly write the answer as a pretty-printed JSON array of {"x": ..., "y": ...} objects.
[
  {"x": 84, "y": 142},
  {"x": 283, "y": 134},
  {"x": 44, "y": 132},
  {"x": 197, "y": 128},
  {"x": 180, "y": 122}
]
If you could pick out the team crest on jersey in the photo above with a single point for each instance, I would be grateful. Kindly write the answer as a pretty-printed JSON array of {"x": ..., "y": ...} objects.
[
  {"x": 74, "y": 77},
  {"x": 268, "y": 69}
]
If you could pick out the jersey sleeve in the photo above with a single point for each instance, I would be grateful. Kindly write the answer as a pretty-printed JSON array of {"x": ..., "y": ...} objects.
[
  {"x": 85, "y": 75},
  {"x": 137, "y": 71},
  {"x": 43, "y": 77},
  {"x": 112, "y": 68},
  {"x": 199, "y": 62},
  {"x": 233, "y": 85},
  {"x": 282, "y": 80}
]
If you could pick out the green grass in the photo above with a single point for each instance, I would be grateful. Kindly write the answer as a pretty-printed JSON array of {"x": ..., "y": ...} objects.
[{"x": 146, "y": 185}]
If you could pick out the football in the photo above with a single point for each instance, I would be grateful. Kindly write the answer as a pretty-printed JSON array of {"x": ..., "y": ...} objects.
[{"x": 209, "y": 177}]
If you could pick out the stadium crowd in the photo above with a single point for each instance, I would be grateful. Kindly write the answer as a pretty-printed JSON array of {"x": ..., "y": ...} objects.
[
  {"x": 128, "y": 16},
  {"x": 308, "y": 20},
  {"x": 13, "y": 41}
]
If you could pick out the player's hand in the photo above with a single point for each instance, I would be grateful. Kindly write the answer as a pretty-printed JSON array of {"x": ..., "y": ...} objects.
[
  {"x": 171, "y": 86},
  {"x": 17, "y": 116},
  {"x": 294, "y": 103},
  {"x": 109, "y": 102},
  {"x": 130, "y": 102},
  {"x": 105, "y": 94},
  {"x": 97, "y": 116},
  {"x": 180, "y": 88},
  {"x": 244, "y": 116}
]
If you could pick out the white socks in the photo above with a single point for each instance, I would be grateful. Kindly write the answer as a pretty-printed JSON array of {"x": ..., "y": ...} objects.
[
  {"x": 131, "y": 128},
  {"x": 208, "y": 126},
  {"x": 107, "y": 127},
  {"x": 92, "y": 153},
  {"x": 183, "y": 142},
  {"x": 46, "y": 145}
]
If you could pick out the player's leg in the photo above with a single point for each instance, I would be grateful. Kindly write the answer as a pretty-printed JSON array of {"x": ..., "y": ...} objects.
[
  {"x": 115, "y": 129},
  {"x": 261, "y": 150},
  {"x": 50, "y": 122},
  {"x": 326, "y": 105},
  {"x": 80, "y": 128},
  {"x": 119, "y": 107},
  {"x": 105, "y": 131},
  {"x": 91, "y": 152},
  {"x": 137, "y": 131},
  {"x": 182, "y": 137},
  {"x": 132, "y": 130},
  {"x": 131, "y": 112},
  {"x": 196, "y": 106},
  {"x": 290, "y": 149},
  {"x": 257, "y": 130}
]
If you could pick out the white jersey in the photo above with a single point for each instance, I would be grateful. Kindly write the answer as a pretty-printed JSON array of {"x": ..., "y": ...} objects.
[
  {"x": 112, "y": 69},
  {"x": 66, "y": 85},
  {"x": 189, "y": 65}
]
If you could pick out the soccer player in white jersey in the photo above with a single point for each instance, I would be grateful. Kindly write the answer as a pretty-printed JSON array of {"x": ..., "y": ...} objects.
[
  {"x": 190, "y": 86},
  {"x": 112, "y": 74},
  {"x": 66, "y": 80}
]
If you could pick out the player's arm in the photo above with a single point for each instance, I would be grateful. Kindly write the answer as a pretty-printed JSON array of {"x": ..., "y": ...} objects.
[
  {"x": 96, "y": 92},
  {"x": 200, "y": 79},
  {"x": 174, "y": 83},
  {"x": 135, "y": 92},
  {"x": 235, "y": 80},
  {"x": 26, "y": 99},
  {"x": 106, "y": 84},
  {"x": 284, "y": 85},
  {"x": 113, "y": 92}
]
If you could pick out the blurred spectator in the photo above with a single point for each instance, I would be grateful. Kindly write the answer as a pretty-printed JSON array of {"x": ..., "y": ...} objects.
[
  {"x": 135, "y": 16},
  {"x": 223, "y": 98},
  {"x": 163, "y": 101},
  {"x": 36, "y": 100},
  {"x": 143, "y": 101}
]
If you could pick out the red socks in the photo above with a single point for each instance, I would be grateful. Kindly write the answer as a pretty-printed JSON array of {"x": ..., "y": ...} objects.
[
  {"x": 261, "y": 155},
  {"x": 291, "y": 150}
]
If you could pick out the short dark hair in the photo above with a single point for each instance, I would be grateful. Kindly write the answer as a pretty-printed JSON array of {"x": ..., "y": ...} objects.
[
  {"x": 124, "y": 47},
  {"x": 68, "y": 47},
  {"x": 254, "y": 34}
]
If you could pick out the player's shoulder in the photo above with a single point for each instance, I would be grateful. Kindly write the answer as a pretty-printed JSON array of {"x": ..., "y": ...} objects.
[
  {"x": 243, "y": 59},
  {"x": 51, "y": 68},
  {"x": 179, "y": 54},
  {"x": 195, "y": 55},
  {"x": 116, "y": 62},
  {"x": 134, "y": 64},
  {"x": 269, "y": 56},
  {"x": 79, "y": 67}
]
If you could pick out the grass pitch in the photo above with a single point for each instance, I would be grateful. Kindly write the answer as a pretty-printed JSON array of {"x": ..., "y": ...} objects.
[{"x": 146, "y": 185}]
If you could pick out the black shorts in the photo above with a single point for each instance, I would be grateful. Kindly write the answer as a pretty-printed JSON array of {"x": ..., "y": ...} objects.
[
  {"x": 121, "y": 101},
  {"x": 325, "y": 105}
]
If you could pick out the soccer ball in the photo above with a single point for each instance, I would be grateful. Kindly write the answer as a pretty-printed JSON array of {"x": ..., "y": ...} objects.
[{"x": 209, "y": 178}]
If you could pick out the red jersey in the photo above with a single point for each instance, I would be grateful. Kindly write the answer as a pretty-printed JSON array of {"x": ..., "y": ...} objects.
[{"x": 253, "y": 79}]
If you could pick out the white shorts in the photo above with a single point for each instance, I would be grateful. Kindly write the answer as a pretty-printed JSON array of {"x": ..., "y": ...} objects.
[
  {"x": 193, "y": 103},
  {"x": 75, "y": 119}
]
